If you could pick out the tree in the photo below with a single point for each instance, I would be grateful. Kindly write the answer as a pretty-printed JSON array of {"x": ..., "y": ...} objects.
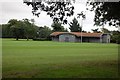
[
  {"x": 0, "y": 31},
  {"x": 115, "y": 37},
  {"x": 21, "y": 29},
  {"x": 106, "y": 12},
  {"x": 74, "y": 26},
  {"x": 57, "y": 27},
  {"x": 104, "y": 30},
  {"x": 58, "y": 11},
  {"x": 16, "y": 28},
  {"x": 29, "y": 29},
  {"x": 17, "y": 32},
  {"x": 44, "y": 33},
  {"x": 5, "y": 31},
  {"x": 95, "y": 30}
]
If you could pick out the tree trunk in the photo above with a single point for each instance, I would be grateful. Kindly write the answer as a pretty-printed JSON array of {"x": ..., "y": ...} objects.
[
  {"x": 27, "y": 38},
  {"x": 17, "y": 38}
]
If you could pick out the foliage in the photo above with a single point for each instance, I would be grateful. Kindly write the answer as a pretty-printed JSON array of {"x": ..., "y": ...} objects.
[
  {"x": 57, "y": 27},
  {"x": 24, "y": 29},
  {"x": 84, "y": 31},
  {"x": 17, "y": 32},
  {"x": 0, "y": 31},
  {"x": 18, "y": 29},
  {"x": 81, "y": 15},
  {"x": 41, "y": 39},
  {"x": 104, "y": 30},
  {"x": 58, "y": 11},
  {"x": 115, "y": 37},
  {"x": 29, "y": 29},
  {"x": 106, "y": 12},
  {"x": 5, "y": 31},
  {"x": 95, "y": 30},
  {"x": 74, "y": 26},
  {"x": 43, "y": 33}
]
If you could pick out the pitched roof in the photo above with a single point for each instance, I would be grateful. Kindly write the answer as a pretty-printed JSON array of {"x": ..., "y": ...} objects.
[{"x": 77, "y": 34}]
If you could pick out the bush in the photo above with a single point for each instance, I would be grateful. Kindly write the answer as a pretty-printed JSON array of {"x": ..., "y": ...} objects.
[
  {"x": 118, "y": 40},
  {"x": 40, "y": 39},
  {"x": 115, "y": 37}
]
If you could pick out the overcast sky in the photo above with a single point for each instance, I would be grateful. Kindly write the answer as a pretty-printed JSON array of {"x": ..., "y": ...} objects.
[{"x": 15, "y": 9}]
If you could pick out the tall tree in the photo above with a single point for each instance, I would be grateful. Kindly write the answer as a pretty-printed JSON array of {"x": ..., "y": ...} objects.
[
  {"x": 22, "y": 28},
  {"x": 57, "y": 26},
  {"x": 5, "y": 31},
  {"x": 29, "y": 29},
  {"x": 16, "y": 28},
  {"x": 17, "y": 32},
  {"x": 44, "y": 33},
  {"x": 74, "y": 26}
]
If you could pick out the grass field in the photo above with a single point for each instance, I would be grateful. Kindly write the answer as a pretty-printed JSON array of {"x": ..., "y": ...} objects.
[
  {"x": 0, "y": 58},
  {"x": 47, "y": 59}
]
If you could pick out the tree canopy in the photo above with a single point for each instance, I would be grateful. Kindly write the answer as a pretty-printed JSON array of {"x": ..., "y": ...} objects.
[
  {"x": 58, "y": 11},
  {"x": 19, "y": 29},
  {"x": 104, "y": 30},
  {"x": 95, "y": 30},
  {"x": 44, "y": 33},
  {"x": 57, "y": 26},
  {"x": 106, "y": 12},
  {"x": 75, "y": 26},
  {"x": 25, "y": 29},
  {"x": 115, "y": 37}
]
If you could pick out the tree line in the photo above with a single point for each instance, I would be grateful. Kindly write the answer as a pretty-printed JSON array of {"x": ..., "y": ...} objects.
[
  {"x": 19, "y": 29},
  {"x": 26, "y": 29}
]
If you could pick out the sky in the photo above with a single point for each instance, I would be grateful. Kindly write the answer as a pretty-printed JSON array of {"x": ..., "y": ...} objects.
[{"x": 15, "y": 9}]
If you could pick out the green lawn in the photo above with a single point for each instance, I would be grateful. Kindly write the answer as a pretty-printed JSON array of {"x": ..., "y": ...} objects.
[
  {"x": 47, "y": 59},
  {"x": 0, "y": 58}
]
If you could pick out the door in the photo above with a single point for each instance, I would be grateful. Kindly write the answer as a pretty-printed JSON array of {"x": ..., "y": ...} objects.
[{"x": 66, "y": 39}]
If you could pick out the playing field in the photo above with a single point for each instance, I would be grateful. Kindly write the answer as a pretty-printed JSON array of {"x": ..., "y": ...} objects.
[{"x": 47, "y": 59}]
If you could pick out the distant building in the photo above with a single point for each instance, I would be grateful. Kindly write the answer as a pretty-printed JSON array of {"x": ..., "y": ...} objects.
[{"x": 76, "y": 37}]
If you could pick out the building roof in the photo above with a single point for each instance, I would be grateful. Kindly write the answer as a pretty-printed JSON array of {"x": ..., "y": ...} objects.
[{"x": 78, "y": 34}]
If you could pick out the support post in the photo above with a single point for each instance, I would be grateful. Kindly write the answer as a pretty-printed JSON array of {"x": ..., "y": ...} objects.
[{"x": 81, "y": 29}]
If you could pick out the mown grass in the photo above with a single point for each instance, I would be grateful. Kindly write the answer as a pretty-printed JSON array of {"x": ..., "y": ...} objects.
[
  {"x": 47, "y": 59},
  {"x": 0, "y": 58}
]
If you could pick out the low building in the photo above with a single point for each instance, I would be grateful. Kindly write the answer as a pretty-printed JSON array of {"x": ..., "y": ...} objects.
[{"x": 78, "y": 36}]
